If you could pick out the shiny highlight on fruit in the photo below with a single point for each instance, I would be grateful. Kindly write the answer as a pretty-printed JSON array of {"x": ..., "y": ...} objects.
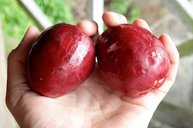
[
  {"x": 60, "y": 60},
  {"x": 131, "y": 60}
]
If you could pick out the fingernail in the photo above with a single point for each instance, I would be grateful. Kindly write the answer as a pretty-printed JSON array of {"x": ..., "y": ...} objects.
[
  {"x": 119, "y": 16},
  {"x": 33, "y": 29},
  {"x": 168, "y": 38},
  {"x": 145, "y": 24},
  {"x": 89, "y": 27}
]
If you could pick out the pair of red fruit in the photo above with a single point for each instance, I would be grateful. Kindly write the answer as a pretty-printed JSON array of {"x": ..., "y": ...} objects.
[{"x": 131, "y": 60}]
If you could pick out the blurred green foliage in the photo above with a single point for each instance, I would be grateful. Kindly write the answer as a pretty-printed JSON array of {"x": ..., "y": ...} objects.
[
  {"x": 57, "y": 10},
  {"x": 186, "y": 48},
  {"x": 15, "y": 21},
  {"x": 120, "y": 6},
  {"x": 134, "y": 14},
  {"x": 13, "y": 18},
  {"x": 123, "y": 7}
]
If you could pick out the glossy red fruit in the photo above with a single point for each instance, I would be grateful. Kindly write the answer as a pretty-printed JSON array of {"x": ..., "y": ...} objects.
[
  {"x": 60, "y": 60},
  {"x": 131, "y": 60}
]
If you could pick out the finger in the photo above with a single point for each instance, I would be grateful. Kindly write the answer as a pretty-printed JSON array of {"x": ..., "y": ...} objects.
[
  {"x": 142, "y": 23},
  {"x": 174, "y": 61},
  {"x": 17, "y": 64},
  {"x": 23, "y": 48},
  {"x": 173, "y": 55},
  {"x": 112, "y": 19},
  {"x": 151, "y": 100},
  {"x": 88, "y": 26}
]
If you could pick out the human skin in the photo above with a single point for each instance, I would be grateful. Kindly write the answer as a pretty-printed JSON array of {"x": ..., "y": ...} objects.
[{"x": 92, "y": 105}]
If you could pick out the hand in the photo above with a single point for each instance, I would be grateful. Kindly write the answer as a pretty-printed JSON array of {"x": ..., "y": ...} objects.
[{"x": 89, "y": 106}]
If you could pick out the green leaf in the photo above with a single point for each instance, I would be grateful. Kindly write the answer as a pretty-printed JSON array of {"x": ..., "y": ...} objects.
[{"x": 186, "y": 48}]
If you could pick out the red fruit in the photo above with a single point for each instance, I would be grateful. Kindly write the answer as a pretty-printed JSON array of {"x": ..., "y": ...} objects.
[
  {"x": 60, "y": 60},
  {"x": 131, "y": 60}
]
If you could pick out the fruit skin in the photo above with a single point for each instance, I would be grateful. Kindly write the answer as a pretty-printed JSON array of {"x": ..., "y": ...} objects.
[
  {"x": 60, "y": 60},
  {"x": 131, "y": 60}
]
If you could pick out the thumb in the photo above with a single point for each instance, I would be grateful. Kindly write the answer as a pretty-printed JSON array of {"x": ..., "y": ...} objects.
[
  {"x": 89, "y": 27},
  {"x": 24, "y": 47},
  {"x": 17, "y": 65}
]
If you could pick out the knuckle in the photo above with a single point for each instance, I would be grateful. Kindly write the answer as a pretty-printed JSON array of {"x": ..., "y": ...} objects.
[
  {"x": 12, "y": 54},
  {"x": 8, "y": 101}
]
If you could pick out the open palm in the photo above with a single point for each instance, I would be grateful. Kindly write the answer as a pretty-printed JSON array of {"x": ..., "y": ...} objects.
[{"x": 92, "y": 105}]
